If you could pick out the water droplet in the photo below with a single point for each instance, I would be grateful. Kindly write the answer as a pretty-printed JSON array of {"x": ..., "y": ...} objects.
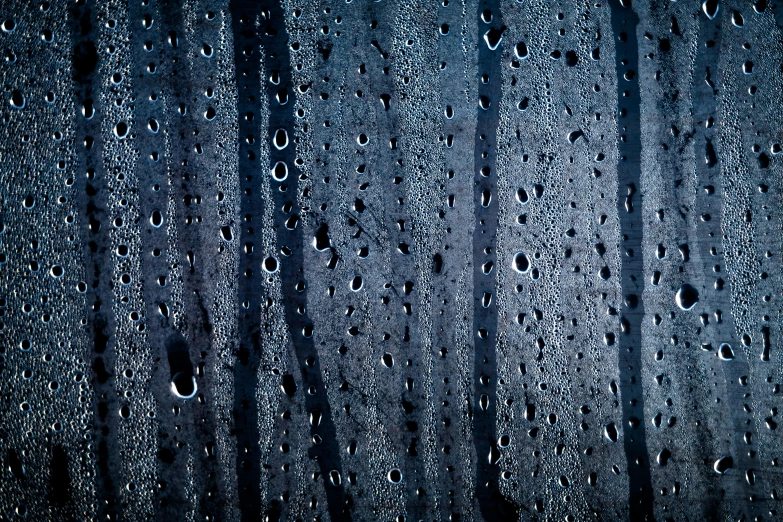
[
  {"x": 726, "y": 352},
  {"x": 521, "y": 263},
  {"x": 494, "y": 455},
  {"x": 121, "y": 130},
  {"x": 493, "y": 37},
  {"x": 156, "y": 218},
  {"x": 17, "y": 100},
  {"x": 723, "y": 464},
  {"x": 394, "y": 476},
  {"x": 226, "y": 234},
  {"x": 487, "y": 267},
  {"x": 486, "y": 198},
  {"x": 270, "y": 264},
  {"x": 183, "y": 385},
  {"x": 520, "y": 50},
  {"x": 388, "y": 360},
  {"x": 663, "y": 457},
  {"x": 334, "y": 478},
  {"x": 279, "y": 171},
  {"x": 280, "y": 140},
  {"x": 610, "y": 432},
  {"x": 686, "y": 297},
  {"x": 575, "y": 135},
  {"x": 288, "y": 385},
  {"x": 710, "y": 8}
]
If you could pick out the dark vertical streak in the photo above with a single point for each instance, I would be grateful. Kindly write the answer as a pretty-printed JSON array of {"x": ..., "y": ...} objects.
[
  {"x": 491, "y": 502},
  {"x": 170, "y": 495},
  {"x": 273, "y": 37},
  {"x": 92, "y": 205},
  {"x": 411, "y": 408},
  {"x": 326, "y": 451},
  {"x": 777, "y": 11},
  {"x": 629, "y": 209},
  {"x": 710, "y": 194},
  {"x": 704, "y": 99},
  {"x": 248, "y": 74},
  {"x": 196, "y": 421},
  {"x": 59, "y": 478}
]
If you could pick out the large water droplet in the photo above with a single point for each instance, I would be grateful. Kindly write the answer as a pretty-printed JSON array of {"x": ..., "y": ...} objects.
[
  {"x": 280, "y": 140},
  {"x": 686, "y": 297},
  {"x": 394, "y": 476},
  {"x": 521, "y": 263},
  {"x": 723, "y": 464},
  {"x": 610, "y": 432},
  {"x": 710, "y": 8},
  {"x": 184, "y": 385},
  {"x": 726, "y": 352}
]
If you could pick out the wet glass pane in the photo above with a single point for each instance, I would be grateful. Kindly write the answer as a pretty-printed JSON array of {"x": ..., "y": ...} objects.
[{"x": 390, "y": 260}]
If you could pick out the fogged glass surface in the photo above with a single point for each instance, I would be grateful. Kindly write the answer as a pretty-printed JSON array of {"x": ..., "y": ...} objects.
[{"x": 390, "y": 260}]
